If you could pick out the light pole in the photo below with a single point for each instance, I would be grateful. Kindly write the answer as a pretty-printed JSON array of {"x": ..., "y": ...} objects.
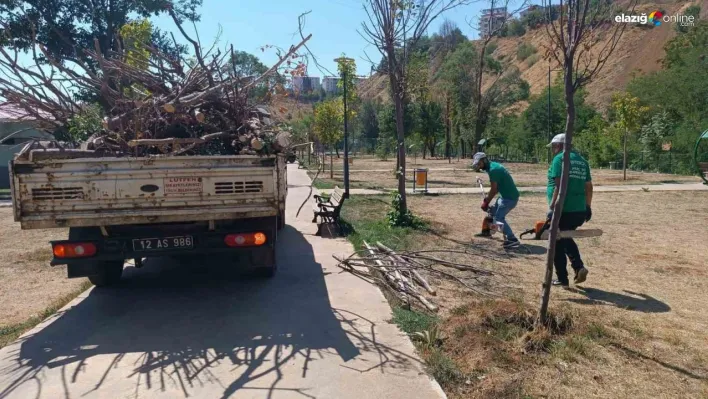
[{"x": 344, "y": 61}]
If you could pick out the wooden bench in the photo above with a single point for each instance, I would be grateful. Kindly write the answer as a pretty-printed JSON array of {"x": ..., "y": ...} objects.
[
  {"x": 328, "y": 209},
  {"x": 703, "y": 166}
]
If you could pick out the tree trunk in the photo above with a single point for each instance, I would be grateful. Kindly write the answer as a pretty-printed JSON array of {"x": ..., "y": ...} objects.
[
  {"x": 624, "y": 157},
  {"x": 562, "y": 190},
  {"x": 478, "y": 130},
  {"x": 447, "y": 129},
  {"x": 396, "y": 90},
  {"x": 331, "y": 163},
  {"x": 337, "y": 150}
]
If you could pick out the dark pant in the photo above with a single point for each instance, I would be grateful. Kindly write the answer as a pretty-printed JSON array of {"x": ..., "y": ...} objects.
[{"x": 568, "y": 247}]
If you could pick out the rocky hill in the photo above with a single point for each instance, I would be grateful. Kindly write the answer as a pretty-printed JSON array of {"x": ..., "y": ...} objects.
[{"x": 639, "y": 51}]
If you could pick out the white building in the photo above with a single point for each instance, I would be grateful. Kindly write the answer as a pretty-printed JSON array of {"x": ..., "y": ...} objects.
[
  {"x": 306, "y": 84},
  {"x": 491, "y": 20},
  {"x": 329, "y": 83}
]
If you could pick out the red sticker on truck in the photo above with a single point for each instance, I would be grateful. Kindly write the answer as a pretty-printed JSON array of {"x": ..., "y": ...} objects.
[{"x": 183, "y": 185}]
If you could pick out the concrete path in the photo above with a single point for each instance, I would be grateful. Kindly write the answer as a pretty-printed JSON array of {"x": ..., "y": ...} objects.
[
  {"x": 542, "y": 189},
  {"x": 174, "y": 330}
]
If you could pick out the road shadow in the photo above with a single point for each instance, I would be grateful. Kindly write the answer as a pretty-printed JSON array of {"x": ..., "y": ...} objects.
[
  {"x": 634, "y": 301},
  {"x": 171, "y": 326}
]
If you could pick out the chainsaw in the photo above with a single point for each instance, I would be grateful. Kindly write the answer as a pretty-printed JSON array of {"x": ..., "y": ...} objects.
[{"x": 538, "y": 229}]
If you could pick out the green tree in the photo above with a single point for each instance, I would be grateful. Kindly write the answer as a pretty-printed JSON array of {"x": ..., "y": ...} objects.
[
  {"x": 369, "y": 122},
  {"x": 628, "y": 113},
  {"x": 691, "y": 11},
  {"x": 329, "y": 124},
  {"x": 67, "y": 27},
  {"x": 430, "y": 125},
  {"x": 347, "y": 70}
]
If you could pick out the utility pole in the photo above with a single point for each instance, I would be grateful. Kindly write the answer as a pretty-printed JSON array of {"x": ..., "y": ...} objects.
[{"x": 346, "y": 125}]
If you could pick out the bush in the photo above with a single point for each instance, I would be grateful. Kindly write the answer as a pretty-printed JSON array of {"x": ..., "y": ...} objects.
[
  {"x": 398, "y": 218},
  {"x": 524, "y": 51},
  {"x": 532, "y": 60},
  {"x": 516, "y": 28},
  {"x": 491, "y": 47}
]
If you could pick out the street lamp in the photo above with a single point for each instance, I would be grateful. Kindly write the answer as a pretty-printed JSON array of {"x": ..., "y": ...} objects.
[{"x": 345, "y": 60}]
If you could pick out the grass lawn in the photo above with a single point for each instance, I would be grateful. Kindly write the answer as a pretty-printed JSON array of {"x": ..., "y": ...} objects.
[
  {"x": 636, "y": 328},
  {"x": 30, "y": 289}
]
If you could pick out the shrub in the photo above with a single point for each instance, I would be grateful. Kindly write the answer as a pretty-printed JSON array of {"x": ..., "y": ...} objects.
[
  {"x": 491, "y": 47},
  {"x": 524, "y": 51},
  {"x": 398, "y": 218},
  {"x": 532, "y": 60}
]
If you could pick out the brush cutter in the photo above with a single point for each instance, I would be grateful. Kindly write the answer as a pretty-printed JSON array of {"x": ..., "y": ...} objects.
[{"x": 488, "y": 225}]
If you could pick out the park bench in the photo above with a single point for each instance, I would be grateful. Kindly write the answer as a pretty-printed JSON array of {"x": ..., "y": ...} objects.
[
  {"x": 703, "y": 167},
  {"x": 328, "y": 209}
]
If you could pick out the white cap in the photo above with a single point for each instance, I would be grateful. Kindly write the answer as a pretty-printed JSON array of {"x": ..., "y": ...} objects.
[
  {"x": 477, "y": 158},
  {"x": 557, "y": 139}
]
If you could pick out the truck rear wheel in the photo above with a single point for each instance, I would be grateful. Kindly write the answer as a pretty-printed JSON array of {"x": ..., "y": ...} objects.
[
  {"x": 281, "y": 220},
  {"x": 107, "y": 273},
  {"x": 264, "y": 263}
]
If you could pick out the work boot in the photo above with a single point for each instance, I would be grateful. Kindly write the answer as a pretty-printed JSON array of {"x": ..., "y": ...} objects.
[
  {"x": 484, "y": 234},
  {"x": 561, "y": 284},
  {"x": 513, "y": 243},
  {"x": 581, "y": 275}
]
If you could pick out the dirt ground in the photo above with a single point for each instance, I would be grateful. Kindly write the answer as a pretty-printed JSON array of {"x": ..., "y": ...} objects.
[
  {"x": 28, "y": 284},
  {"x": 647, "y": 285},
  {"x": 369, "y": 172}
]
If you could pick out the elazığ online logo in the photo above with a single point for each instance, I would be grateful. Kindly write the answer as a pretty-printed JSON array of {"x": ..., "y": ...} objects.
[{"x": 656, "y": 18}]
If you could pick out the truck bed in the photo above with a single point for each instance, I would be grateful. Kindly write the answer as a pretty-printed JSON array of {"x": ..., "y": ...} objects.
[{"x": 119, "y": 191}]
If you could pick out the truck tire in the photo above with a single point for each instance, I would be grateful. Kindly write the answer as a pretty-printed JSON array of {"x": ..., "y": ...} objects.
[
  {"x": 265, "y": 264},
  {"x": 281, "y": 220},
  {"x": 107, "y": 273}
]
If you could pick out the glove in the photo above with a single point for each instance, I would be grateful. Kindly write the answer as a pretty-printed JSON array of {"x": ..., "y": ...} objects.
[
  {"x": 485, "y": 205},
  {"x": 588, "y": 213}
]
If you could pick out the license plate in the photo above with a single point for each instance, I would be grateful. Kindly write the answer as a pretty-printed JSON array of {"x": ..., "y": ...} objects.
[{"x": 161, "y": 244}]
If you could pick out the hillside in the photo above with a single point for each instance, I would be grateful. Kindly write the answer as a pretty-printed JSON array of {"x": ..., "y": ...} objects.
[{"x": 639, "y": 51}]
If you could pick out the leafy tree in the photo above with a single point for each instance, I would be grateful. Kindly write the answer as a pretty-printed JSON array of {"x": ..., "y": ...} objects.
[
  {"x": 347, "y": 69},
  {"x": 430, "y": 125},
  {"x": 692, "y": 11},
  {"x": 680, "y": 49},
  {"x": 136, "y": 36},
  {"x": 67, "y": 27},
  {"x": 329, "y": 122},
  {"x": 88, "y": 120},
  {"x": 368, "y": 120},
  {"x": 629, "y": 113}
]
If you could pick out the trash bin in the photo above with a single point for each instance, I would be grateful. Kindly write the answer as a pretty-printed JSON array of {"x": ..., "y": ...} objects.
[
  {"x": 613, "y": 165},
  {"x": 420, "y": 178}
]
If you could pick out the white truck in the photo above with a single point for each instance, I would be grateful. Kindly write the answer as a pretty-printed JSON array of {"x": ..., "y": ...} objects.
[{"x": 137, "y": 208}]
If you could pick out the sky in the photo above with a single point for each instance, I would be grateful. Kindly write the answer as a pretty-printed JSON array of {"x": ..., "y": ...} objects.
[{"x": 251, "y": 24}]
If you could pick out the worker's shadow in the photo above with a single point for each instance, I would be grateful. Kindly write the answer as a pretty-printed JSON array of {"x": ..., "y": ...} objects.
[{"x": 634, "y": 301}]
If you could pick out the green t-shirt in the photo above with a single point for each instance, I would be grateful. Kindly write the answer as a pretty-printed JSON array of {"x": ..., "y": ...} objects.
[
  {"x": 579, "y": 175},
  {"x": 498, "y": 174}
]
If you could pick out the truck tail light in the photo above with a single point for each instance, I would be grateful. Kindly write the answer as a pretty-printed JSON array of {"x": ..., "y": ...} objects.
[
  {"x": 245, "y": 239},
  {"x": 74, "y": 250}
]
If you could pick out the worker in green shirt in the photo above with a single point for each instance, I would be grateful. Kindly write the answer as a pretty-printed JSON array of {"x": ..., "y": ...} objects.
[
  {"x": 502, "y": 183},
  {"x": 576, "y": 209}
]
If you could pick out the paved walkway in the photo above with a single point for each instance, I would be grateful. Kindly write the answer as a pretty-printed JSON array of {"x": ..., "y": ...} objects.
[
  {"x": 174, "y": 330},
  {"x": 542, "y": 189}
]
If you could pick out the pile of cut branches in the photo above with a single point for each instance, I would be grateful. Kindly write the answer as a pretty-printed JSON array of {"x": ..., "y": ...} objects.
[
  {"x": 154, "y": 103},
  {"x": 405, "y": 273}
]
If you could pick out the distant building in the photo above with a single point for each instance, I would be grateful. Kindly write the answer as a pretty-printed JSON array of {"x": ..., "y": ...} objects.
[
  {"x": 491, "y": 19},
  {"x": 329, "y": 83},
  {"x": 14, "y": 134},
  {"x": 306, "y": 84}
]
